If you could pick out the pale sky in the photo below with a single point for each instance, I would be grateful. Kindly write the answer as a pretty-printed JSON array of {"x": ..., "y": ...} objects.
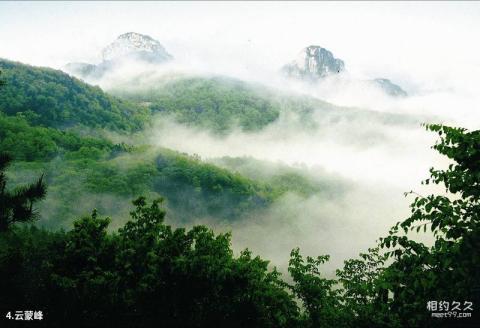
[{"x": 398, "y": 38}]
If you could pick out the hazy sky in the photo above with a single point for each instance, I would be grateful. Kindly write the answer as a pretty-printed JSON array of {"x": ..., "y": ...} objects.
[{"x": 397, "y": 39}]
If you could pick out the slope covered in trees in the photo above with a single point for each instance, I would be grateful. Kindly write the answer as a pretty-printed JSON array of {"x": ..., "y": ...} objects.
[
  {"x": 220, "y": 104},
  {"x": 75, "y": 165},
  {"x": 52, "y": 98},
  {"x": 102, "y": 172},
  {"x": 36, "y": 104},
  {"x": 29, "y": 143},
  {"x": 215, "y": 103},
  {"x": 148, "y": 273}
]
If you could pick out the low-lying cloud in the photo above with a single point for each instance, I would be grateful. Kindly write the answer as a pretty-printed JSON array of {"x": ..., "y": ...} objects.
[
  {"x": 377, "y": 161},
  {"x": 418, "y": 46}
]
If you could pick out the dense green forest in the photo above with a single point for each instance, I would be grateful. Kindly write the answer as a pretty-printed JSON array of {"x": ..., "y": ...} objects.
[
  {"x": 100, "y": 172},
  {"x": 214, "y": 103},
  {"x": 140, "y": 271},
  {"x": 97, "y": 166},
  {"x": 149, "y": 273},
  {"x": 52, "y": 98},
  {"x": 220, "y": 104},
  {"x": 75, "y": 153}
]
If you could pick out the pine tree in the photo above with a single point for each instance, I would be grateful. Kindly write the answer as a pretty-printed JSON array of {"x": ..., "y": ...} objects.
[{"x": 17, "y": 205}]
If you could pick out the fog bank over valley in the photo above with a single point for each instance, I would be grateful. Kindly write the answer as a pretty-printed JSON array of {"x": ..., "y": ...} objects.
[{"x": 352, "y": 134}]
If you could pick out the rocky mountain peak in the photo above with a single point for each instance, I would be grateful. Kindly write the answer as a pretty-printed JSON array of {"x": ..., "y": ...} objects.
[
  {"x": 314, "y": 62},
  {"x": 137, "y": 46},
  {"x": 131, "y": 46}
]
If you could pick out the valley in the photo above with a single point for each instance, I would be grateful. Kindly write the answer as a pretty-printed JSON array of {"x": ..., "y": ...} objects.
[{"x": 180, "y": 171}]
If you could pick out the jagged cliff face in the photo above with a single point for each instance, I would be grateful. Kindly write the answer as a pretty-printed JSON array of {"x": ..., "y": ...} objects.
[
  {"x": 314, "y": 62},
  {"x": 136, "y": 46}
]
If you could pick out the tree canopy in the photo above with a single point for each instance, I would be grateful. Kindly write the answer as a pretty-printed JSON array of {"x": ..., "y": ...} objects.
[
  {"x": 52, "y": 98},
  {"x": 150, "y": 273}
]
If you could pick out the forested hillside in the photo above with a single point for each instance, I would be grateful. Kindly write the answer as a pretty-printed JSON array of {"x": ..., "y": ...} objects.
[
  {"x": 222, "y": 104},
  {"x": 42, "y": 137},
  {"x": 52, "y": 98},
  {"x": 96, "y": 166},
  {"x": 214, "y": 103},
  {"x": 149, "y": 273},
  {"x": 251, "y": 165},
  {"x": 136, "y": 270}
]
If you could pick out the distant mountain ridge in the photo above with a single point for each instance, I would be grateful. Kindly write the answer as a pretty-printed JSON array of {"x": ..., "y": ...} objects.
[
  {"x": 315, "y": 63},
  {"x": 390, "y": 88}
]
